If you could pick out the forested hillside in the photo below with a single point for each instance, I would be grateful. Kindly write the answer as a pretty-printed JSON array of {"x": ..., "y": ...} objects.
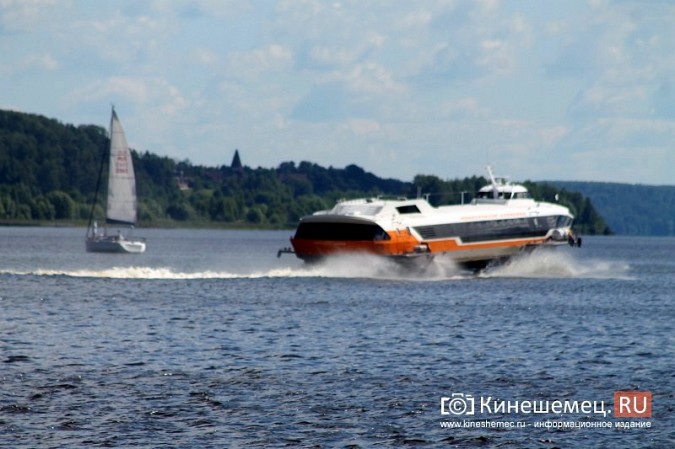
[
  {"x": 631, "y": 209},
  {"x": 48, "y": 173}
]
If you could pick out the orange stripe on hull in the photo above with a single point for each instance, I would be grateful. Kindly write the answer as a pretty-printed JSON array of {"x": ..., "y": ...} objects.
[
  {"x": 399, "y": 243},
  {"x": 444, "y": 246},
  {"x": 402, "y": 243}
]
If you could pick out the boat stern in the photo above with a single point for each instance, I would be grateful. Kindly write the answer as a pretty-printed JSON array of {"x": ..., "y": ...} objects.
[{"x": 316, "y": 239}]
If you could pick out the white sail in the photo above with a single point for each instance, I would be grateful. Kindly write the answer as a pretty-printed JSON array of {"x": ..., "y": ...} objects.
[{"x": 121, "y": 206}]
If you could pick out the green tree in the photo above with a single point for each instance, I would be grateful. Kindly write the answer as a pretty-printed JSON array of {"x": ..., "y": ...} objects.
[
  {"x": 42, "y": 209},
  {"x": 64, "y": 206}
]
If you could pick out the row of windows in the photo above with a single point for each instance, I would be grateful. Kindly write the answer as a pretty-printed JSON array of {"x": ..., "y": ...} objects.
[
  {"x": 494, "y": 229},
  {"x": 504, "y": 195},
  {"x": 468, "y": 232},
  {"x": 340, "y": 231}
]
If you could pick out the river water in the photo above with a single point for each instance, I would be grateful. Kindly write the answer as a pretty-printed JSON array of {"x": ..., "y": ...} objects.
[{"x": 208, "y": 340}]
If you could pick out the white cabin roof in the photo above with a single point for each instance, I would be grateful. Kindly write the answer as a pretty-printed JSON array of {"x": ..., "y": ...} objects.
[
  {"x": 504, "y": 188},
  {"x": 499, "y": 200}
]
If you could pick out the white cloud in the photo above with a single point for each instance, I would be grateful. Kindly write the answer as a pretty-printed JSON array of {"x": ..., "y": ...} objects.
[
  {"x": 371, "y": 78},
  {"x": 363, "y": 126},
  {"x": 468, "y": 107},
  {"x": 554, "y": 134},
  {"x": 605, "y": 100},
  {"x": 145, "y": 92},
  {"x": 205, "y": 57},
  {"x": 129, "y": 88},
  {"x": 442, "y": 85},
  {"x": 25, "y": 15},
  {"x": 212, "y": 8},
  {"x": 415, "y": 20},
  {"x": 37, "y": 62},
  {"x": 273, "y": 57},
  {"x": 332, "y": 56}
]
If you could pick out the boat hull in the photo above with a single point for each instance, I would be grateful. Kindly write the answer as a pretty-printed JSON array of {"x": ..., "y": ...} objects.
[
  {"x": 397, "y": 244},
  {"x": 115, "y": 245},
  {"x": 501, "y": 222},
  {"x": 472, "y": 255},
  {"x": 319, "y": 237}
]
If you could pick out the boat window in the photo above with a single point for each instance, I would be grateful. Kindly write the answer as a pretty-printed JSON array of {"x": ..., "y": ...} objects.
[
  {"x": 490, "y": 230},
  {"x": 563, "y": 221},
  {"x": 491, "y": 195},
  {"x": 340, "y": 231},
  {"x": 358, "y": 209},
  {"x": 412, "y": 209}
]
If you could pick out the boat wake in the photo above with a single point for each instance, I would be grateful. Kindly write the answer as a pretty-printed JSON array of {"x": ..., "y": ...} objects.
[
  {"x": 539, "y": 264},
  {"x": 151, "y": 273},
  {"x": 558, "y": 264},
  {"x": 376, "y": 267},
  {"x": 542, "y": 263},
  {"x": 343, "y": 266}
]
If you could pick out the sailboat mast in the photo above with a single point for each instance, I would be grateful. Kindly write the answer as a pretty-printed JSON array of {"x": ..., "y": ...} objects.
[{"x": 104, "y": 157}]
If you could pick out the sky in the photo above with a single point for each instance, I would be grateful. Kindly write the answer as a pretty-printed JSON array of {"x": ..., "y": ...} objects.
[{"x": 540, "y": 90}]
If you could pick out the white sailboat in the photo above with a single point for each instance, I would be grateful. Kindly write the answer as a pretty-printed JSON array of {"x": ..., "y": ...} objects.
[{"x": 121, "y": 199}]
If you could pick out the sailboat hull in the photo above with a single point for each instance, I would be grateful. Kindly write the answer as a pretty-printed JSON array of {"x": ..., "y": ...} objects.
[{"x": 114, "y": 244}]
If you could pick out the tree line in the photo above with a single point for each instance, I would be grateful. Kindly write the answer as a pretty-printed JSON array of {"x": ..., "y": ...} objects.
[
  {"x": 49, "y": 171},
  {"x": 631, "y": 209}
]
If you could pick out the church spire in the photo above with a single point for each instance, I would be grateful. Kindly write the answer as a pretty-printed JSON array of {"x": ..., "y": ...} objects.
[{"x": 236, "y": 161}]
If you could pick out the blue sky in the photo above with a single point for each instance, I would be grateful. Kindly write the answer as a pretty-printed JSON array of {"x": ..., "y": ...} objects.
[{"x": 566, "y": 90}]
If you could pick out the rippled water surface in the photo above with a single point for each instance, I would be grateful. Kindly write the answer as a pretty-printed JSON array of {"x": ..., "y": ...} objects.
[{"x": 209, "y": 340}]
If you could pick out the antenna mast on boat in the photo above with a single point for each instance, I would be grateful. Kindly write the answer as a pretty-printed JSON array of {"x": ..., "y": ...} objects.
[{"x": 495, "y": 192}]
